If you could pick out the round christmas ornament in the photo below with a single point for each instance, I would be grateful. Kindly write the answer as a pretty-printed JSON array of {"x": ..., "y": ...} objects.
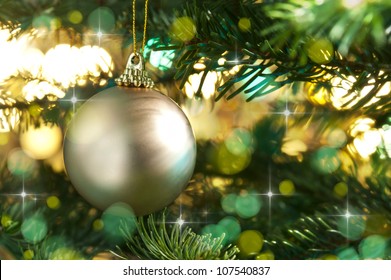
[{"x": 130, "y": 144}]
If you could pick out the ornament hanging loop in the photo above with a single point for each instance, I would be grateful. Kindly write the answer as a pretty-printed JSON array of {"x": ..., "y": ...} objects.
[{"x": 135, "y": 74}]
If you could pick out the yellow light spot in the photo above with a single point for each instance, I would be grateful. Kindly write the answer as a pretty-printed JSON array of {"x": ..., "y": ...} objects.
[
  {"x": 244, "y": 24},
  {"x": 208, "y": 87},
  {"x": 6, "y": 220},
  {"x": 75, "y": 16},
  {"x": 28, "y": 254},
  {"x": 294, "y": 147},
  {"x": 320, "y": 51},
  {"x": 55, "y": 23},
  {"x": 317, "y": 95},
  {"x": 35, "y": 110},
  {"x": 341, "y": 189},
  {"x": 183, "y": 29},
  {"x": 98, "y": 225},
  {"x": 329, "y": 257},
  {"x": 53, "y": 202},
  {"x": 42, "y": 142},
  {"x": 4, "y": 139},
  {"x": 65, "y": 254},
  {"x": 221, "y": 61},
  {"x": 228, "y": 163},
  {"x": 250, "y": 242},
  {"x": 287, "y": 187},
  {"x": 267, "y": 255}
]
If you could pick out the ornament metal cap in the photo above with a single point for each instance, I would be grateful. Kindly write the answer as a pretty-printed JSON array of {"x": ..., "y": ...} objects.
[{"x": 135, "y": 74}]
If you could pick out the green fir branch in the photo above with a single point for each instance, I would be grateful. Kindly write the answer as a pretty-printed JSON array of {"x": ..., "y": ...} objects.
[{"x": 157, "y": 242}]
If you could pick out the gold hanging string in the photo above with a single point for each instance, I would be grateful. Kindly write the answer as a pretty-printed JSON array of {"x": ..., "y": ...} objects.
[
  {"x": 135, "y": 74},
  {"x": 134, "y": 26}
]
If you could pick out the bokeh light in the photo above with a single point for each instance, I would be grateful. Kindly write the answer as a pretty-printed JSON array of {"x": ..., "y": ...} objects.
[
  {"x": 374, "y": 247},
  {"x": 216, "y": 231},
  {"x": 53, "y": 202},
  {"x": 75, "y": 16},
  {"x": 183, "y": 29},
  {"x": 119, "y": 216},
  {"x": 28, "y": 254},
  {"x": 348, "y": 254},
  {"x": 329, "y": 257},
  {"x": 286, "y": 187},
  {"x": 43, "y": 21},
  {"x": 385, "y": 146},
  {"x": 161, "y": 59},
  {"x": 250, "y": 242},
  {"x": 40, "y": 89},
  {"x": 244, "y": 24},
  {"x": 102, "y": 19},
  {"x": 352, "y": 227},
  {"x": 229, "y": 163},
  {"x": 320, "y": 51},
  {"x": 345, "y": 96},
  {"x": 20, "y": 164},
  {"x": 4, "y": 138},
  {"x": 337, "y": 138},
  {"x": 209, "y": 85},
  {"x": 9, "y": 118},
  {"x": 6, "y": 220},
  {"x": 326, "y": 160},
  {"x": 66, "y": 253},
  {"x": 34, "y": 228},
  {"x": 41, "y": 142},
  {"x": 341, "y": 189},
  {"x": 231, "y": 228},
  {"x": 98, "y": 225},
  {"x": 247, "y": 205},
  {"x": 228, "y": 203},
  {"x": 239, "y": 141},
  {"x": 267, "y": 255},
  {"x": 9, "y": 54},
  {"x": 68, "y": 65},
  {"x": 366, "y": 138}
]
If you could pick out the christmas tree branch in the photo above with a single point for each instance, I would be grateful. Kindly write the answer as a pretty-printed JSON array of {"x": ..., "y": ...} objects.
[
  {"x": 275, "y": 51},
  {"x": 154, "y": 241}
]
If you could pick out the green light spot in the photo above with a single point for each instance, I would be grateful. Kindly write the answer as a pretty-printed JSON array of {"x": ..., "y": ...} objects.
[
  {"x": 348, "y": 254},
  {"x": 247, "y": 205},
  {"x": 352, "y": 228},
  {"x": 326, "y": 160},
  {"x": 117, "y": 217},
  {"x": 20, "y": 164},
  {"x": 102, "y": 19},
  {"x": 373, "y": 247},
  {"x": 42, "y": 21},
  {"x": 215, "y": 230},
  {"x": 34, "y": 229},
  {"x": 232, "y": 228},
  {"x": 228, "y": 203},
  {"x": 239, "y": 141}
]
